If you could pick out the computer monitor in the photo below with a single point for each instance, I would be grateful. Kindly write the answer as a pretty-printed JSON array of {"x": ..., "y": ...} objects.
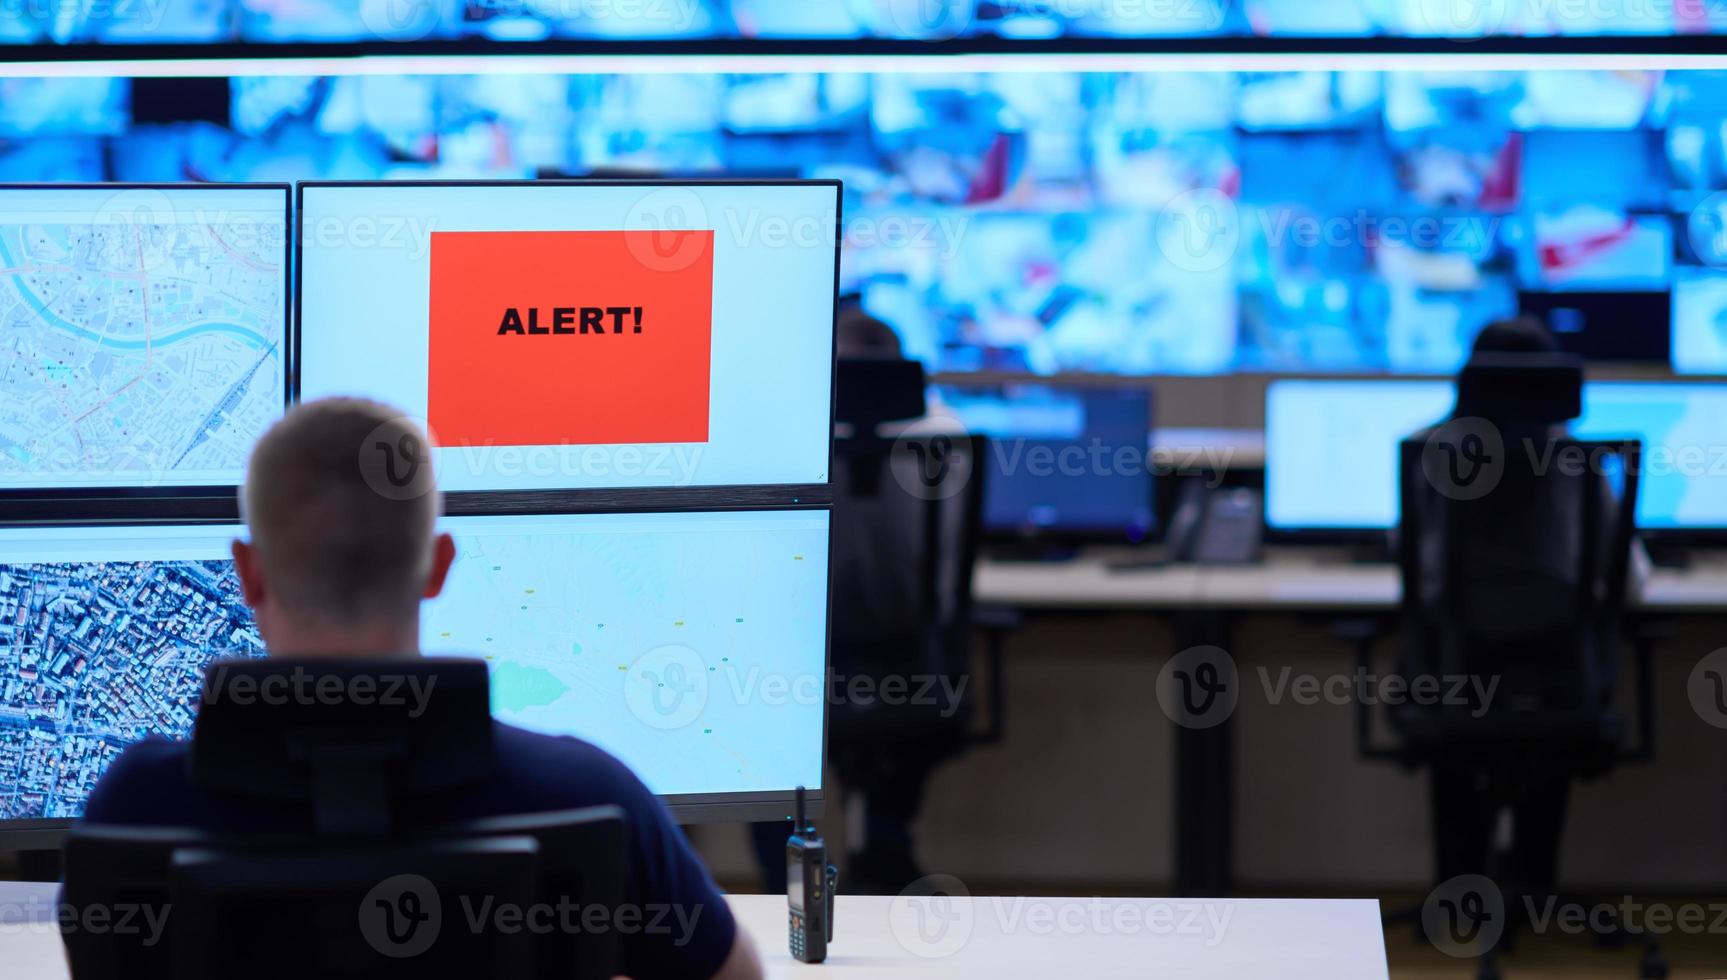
[
  {"x": 1064, "y": 462},
  {"x": 581, "y": 334},
  {"x": 1684, "y": 462},
  {"x": 693, "y": 646},
  {"x": 145, "y": 330},
  {"x": 1331, "y": 448}
]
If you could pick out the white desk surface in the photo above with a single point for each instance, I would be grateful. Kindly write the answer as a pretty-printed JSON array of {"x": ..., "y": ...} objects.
[
  {"x": 1288, "y": 579},
  {"x": 1191, "y": 939}
]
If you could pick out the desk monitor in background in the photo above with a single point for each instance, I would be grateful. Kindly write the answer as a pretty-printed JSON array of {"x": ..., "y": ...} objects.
[
  {"x": 1684, "y": 471},
  {"x": 570, "y": 334},
  {"x": 1331, "y": 449},
  {"x": 1066, "y": 462},
  {"x": 144, "y": 333},
  {"x": 644, "y": 633}
]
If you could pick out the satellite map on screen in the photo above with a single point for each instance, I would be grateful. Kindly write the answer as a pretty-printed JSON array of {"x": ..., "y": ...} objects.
[
  {"x": 137, "y": 352},
  {"x": 98, "y": 655}
]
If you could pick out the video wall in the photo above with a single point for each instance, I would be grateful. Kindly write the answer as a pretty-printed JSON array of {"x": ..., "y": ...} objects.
[
  {"x": 1049, "y": 221},
  {"x": 270, "y": 21}
]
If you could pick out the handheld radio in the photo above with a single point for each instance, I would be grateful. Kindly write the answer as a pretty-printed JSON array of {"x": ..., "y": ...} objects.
[{"x": 810, "y": 882}]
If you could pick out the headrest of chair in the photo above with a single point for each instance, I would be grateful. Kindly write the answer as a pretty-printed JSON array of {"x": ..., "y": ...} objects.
[
  {"x": 267, "y": 728},
  {"x": 871, "y": 391},
  {"x": 1534, "y": 388}
]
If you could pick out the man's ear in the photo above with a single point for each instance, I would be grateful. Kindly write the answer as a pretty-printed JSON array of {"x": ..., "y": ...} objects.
[
  {"x": 251, "y": 573},
  {"x": 443, "y": 554}
]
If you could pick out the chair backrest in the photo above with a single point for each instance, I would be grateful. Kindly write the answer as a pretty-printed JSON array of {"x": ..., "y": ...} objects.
[
  {"x": 507, "y": 897},
  {"x": 353, "y": 741},
  {"x": 1523, "y": 576},
  {"x": 903, "y": 554}
]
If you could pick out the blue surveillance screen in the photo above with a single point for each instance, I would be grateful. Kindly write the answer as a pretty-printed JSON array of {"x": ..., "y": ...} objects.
[
  {"x": 648, "y": 634},
  {"x": 1072, "y": 461},
  {"x": 139, "y": 21},
  {"x": 1167, "y": 222},
  {"x": 1331, "y": 448}
]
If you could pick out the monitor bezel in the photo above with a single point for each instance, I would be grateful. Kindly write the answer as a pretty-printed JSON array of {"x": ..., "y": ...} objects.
[
  {"x": 27, "y": 498},
  {"x": 33, "y": 833},
  {"x": 837, "y": 186}
]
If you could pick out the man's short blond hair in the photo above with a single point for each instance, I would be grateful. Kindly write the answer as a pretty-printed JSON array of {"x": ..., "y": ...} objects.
[{"x": 338, "y": 538}]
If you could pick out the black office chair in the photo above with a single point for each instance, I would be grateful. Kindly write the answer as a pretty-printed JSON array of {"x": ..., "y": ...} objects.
[
  {"x": 907, "y": 528},
  {"x": 1523, "y": 581},
  {"x": 348, "y": 883}
]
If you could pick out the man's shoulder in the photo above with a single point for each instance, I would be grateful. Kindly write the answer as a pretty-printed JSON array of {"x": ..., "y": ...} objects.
[
  {"x": 564, "y": 771},
  {"x": 148, "y": 778}
]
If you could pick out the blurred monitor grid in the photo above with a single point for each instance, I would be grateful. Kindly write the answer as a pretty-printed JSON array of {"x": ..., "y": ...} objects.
[
  {"x": 1152, "y": 223},
  {"x": 208, "y": 21}
]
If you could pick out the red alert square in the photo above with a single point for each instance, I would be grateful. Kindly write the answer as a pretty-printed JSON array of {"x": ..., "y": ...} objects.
[{"x": 535, "y": 339}]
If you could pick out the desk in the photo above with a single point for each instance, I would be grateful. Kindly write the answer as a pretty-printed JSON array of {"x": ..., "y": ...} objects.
[
  {"x": 1205, "y": 598},
  {"x": 979, "y": 936},
  {"x": 1288, "y": 580}
]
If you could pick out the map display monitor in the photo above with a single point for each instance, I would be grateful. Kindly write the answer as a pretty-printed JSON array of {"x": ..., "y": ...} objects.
[
  {"x": 571, "y": 335},
  {"x": 692, "y": 646},
  {"x": 142, "y": 333}
]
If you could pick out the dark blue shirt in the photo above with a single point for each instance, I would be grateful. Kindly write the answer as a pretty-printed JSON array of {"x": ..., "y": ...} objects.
[{"x": 150, "y": 785}]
